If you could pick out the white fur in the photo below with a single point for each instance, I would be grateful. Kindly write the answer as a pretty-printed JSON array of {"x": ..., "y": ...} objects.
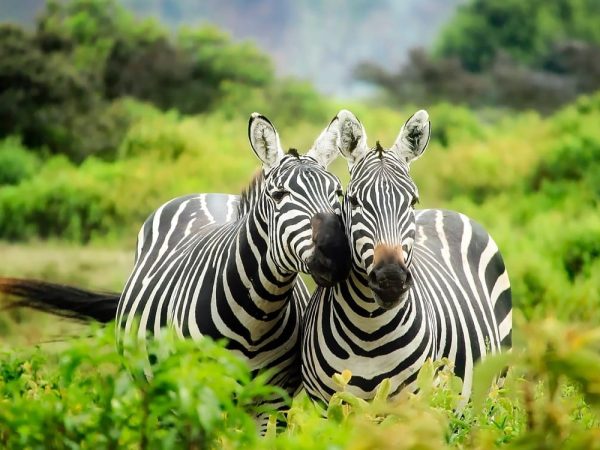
[
  {"x": 352, "y": 137},
  {"x": 413, "y": 137},
  {"x": 265, "y": 141},
  {"x": 325, "y": 150}
]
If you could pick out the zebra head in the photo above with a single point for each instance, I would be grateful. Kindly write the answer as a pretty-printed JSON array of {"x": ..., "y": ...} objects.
[
  {"x": 378, "y": 209},
  {"x": 301, "y": 204}
]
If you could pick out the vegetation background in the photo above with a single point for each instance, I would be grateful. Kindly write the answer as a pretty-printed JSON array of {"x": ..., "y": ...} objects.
[{"x": 106, "y": 112}]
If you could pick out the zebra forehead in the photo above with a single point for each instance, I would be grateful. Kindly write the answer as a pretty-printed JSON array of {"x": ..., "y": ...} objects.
[
  {"x": 381, "y": 162},
  {"x": 382, "y": 175},
  {"x": 303, "y": 167}
]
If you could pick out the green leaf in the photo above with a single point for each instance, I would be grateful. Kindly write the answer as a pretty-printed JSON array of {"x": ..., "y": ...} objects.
[{"x": 484, "y": 374}]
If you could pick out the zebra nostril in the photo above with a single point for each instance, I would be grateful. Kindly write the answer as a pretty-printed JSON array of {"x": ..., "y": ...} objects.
[{"x": 389, "y": 276}]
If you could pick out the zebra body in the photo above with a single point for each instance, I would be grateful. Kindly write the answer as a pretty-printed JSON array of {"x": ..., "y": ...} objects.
[
  {"x": 450, "y": 312},
  {"x": 226, "y": 266},
  {"x": 189, "y": 276},
  {"x": 424, "y": 283}
]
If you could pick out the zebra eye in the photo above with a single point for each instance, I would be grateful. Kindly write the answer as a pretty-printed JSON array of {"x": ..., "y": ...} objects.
[
  {"x": 353, "y": 201},
  {"x": 414, "y": 201},
  {"x": 340, "y": 194},
  {"x": 279, "y": 195}
]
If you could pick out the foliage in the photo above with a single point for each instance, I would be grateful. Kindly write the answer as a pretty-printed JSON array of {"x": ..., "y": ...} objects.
[
  {"x": 423, "y": 79},
  {"x": 16, "y": 162},
  {"x": 56, "y": 83},
  {"x": 202, "y": 396},
  {"x": 288, "y": 100},
  {"x": 58, "y": 201},
  {"x": 524, "y": 30},
  {"x": 49, "y": 103},
  {"x": 532, "y": 182},
  {"x": 522, "y": 55}
]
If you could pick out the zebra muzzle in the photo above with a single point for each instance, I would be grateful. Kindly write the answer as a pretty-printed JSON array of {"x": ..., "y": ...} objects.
[
  {"x": 390, "y": 284},
  {"x": 330, "y": 260}
]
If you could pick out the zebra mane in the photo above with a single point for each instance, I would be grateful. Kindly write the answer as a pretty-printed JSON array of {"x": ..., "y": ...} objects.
[
  {"x": 250, "y": 194},
  {"x": 293, "y": 152},
  {"x": 379, "y": 149}
]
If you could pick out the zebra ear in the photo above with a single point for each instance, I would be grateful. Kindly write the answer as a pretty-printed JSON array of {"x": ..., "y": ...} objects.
[
  {"x": 325, "y": 148},
  {"x": 265, "y": 141},
  {"x": 414, "y": 137},
  {"x": 346, "y": 134}
]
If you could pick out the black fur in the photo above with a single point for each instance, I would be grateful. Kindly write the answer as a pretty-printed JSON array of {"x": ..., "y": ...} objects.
[
  {"x": 61, "y": 300},
  {"x": 330, "y": 239},
  {"x": 380, "y": 149}
]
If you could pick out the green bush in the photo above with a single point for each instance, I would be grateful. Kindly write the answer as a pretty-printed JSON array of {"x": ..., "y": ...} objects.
[
  {"x": 59, "y": 81},
  {"x": 60, "y": 201},
  {"x": 286, "y": 101},
  {"x": 575, "y": 157},
  {"x": 203, "y": 396},
  {"x": 16, "y": 162},
  {"x": 581, "y": 251},
  {"x": 525, "y": 30},
  {"x": 570, "y": 160},
  {"x": 162, "y": 156},
  {"x": 532, "y": 182}
]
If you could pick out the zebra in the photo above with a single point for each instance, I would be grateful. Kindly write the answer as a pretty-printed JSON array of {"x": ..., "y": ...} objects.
[
  {"x": 227, "y": 266},
  {"x": 424, "y": 283}
]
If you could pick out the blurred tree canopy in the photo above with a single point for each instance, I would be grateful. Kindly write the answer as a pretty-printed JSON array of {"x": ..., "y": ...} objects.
[
  {"x": 534, "y": 54},
  {"x": 57, "y": 82},
  {"x": 527, "y": 31}
]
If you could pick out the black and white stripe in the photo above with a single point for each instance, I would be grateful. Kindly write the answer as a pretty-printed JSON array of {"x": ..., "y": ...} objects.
[
  {"x": 226, "y": 266},
  {"x": 424, "y": 283}
]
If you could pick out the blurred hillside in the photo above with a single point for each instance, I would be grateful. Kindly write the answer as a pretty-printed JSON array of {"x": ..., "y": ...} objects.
[{"x": 320, "y": 41}]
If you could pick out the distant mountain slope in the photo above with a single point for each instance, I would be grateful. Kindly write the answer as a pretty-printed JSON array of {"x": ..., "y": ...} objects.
[{"x": 321, "y": 40}]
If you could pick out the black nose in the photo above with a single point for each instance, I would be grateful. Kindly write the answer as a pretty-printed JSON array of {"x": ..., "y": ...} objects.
[
  {"x": 388, "y": 276},
  {"x": 389, "y": 282},
  {"x": 330, "y": 262}
]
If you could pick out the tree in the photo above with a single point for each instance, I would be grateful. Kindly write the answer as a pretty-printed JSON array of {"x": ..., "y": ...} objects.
[
  {"x": 525, "y": 30},
  {"x": 521, "y": 54},
  {"x": 46, "y": 100},
  {"x": 57, "y": 83}
]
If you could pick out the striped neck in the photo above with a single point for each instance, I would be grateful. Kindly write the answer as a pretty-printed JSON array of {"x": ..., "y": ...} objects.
[
  {"x": 261, "y": 288},
  {"x": 355, "y": 290},
  {"x": 356, "y": 299}
]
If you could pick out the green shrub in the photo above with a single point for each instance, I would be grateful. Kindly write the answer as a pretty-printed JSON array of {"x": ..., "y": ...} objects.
[
  {"x": 286, "y": 101},
  {"x": 203, "y": 396},
  {"x": 570, "y": 160},
  {"x": 16, "y": 162},
  {"x": 581, "y": 252},
  {"x": 162, "y": 156},
  {"x": 60, "y": 201},
  {"x": 156, "y": 137}
]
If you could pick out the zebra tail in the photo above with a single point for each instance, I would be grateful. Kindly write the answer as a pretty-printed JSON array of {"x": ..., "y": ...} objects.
[{"x": 60, "y": 299}]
